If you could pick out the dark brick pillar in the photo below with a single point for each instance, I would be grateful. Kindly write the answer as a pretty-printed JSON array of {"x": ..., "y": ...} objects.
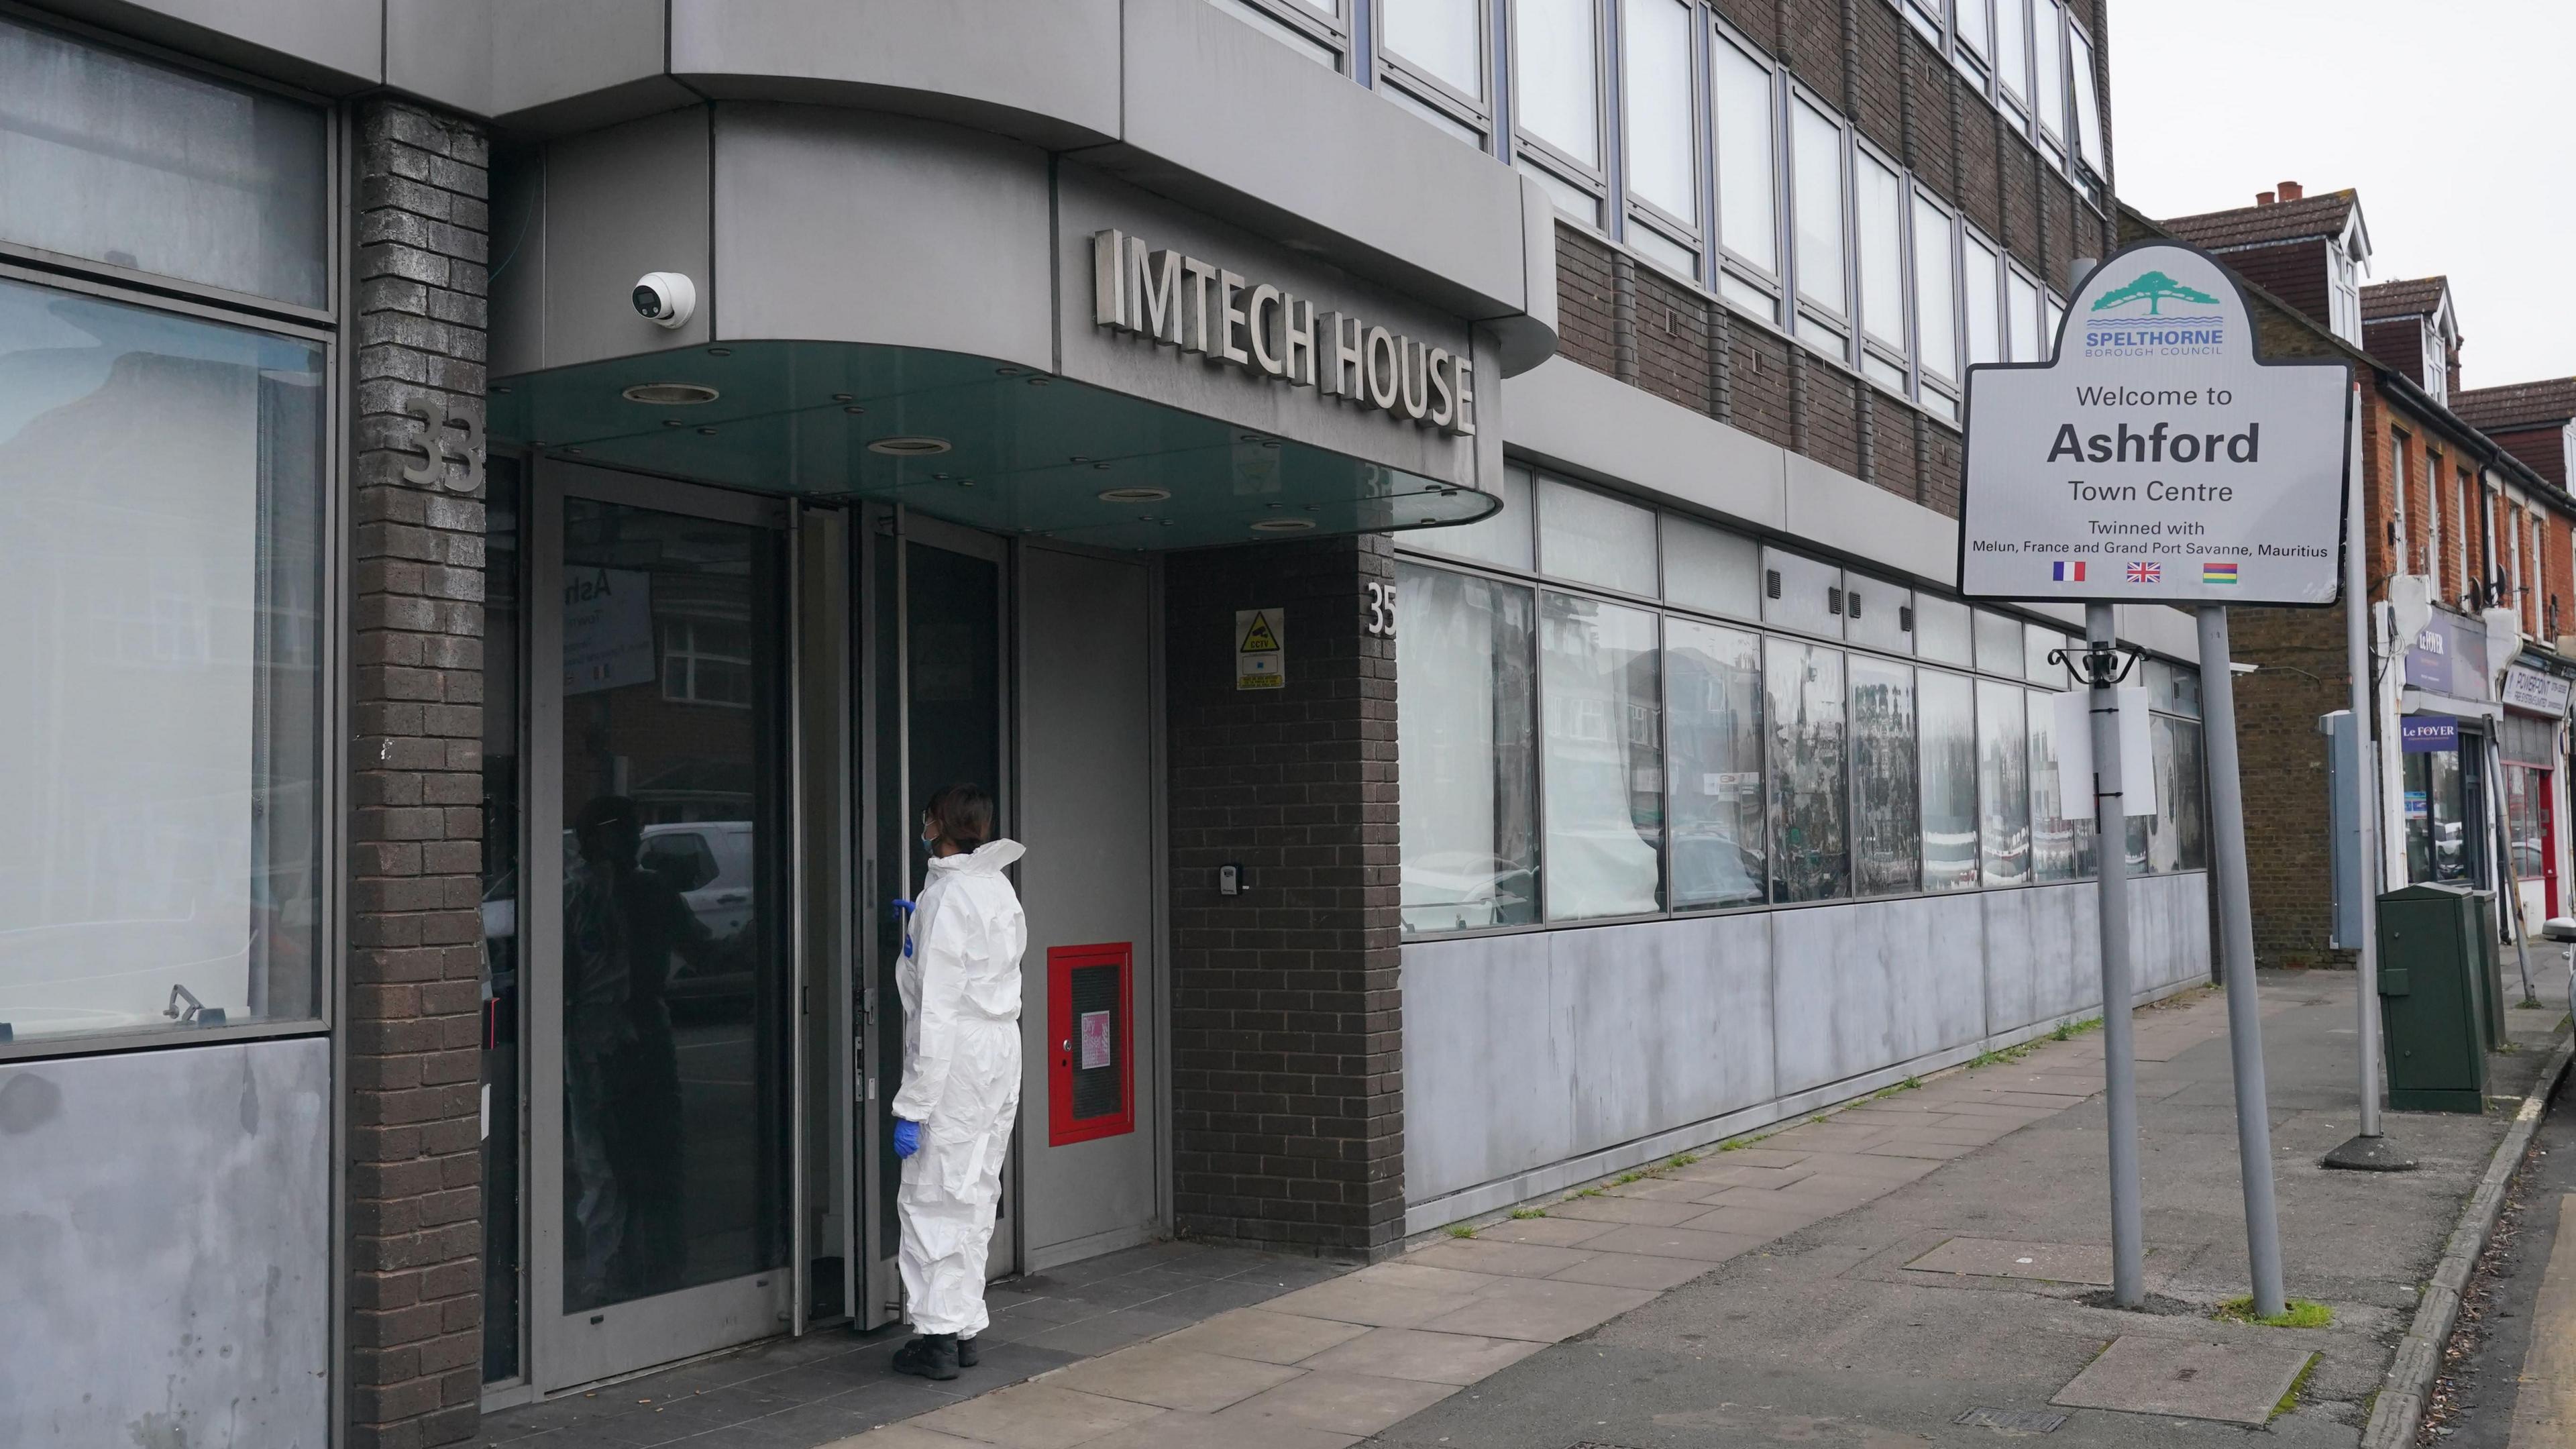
[
  {"x": 1287, "y": 1029},
  {"x": 415, "y": 784}
]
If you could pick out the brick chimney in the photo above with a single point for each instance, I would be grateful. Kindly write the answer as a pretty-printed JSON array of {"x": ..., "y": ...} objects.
[
  {"x": 2262, "y": 198},
  {"x": 2292, "y": 191}
]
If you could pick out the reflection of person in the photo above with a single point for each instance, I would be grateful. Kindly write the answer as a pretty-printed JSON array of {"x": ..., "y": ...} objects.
[
  {"x": 960, "y": 979},
  {"x": 624, "y": 927}
]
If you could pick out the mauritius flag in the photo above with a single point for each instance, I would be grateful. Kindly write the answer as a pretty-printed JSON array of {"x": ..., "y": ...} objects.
[
  {"x": 2218, "y": 573},
  {"x": 2067, "y": 571}
]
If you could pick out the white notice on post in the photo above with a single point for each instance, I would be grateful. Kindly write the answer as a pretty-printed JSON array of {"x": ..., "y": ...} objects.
[
  {"x": 2074, "y": 745},
  {"x": 2154, "y": 459}
]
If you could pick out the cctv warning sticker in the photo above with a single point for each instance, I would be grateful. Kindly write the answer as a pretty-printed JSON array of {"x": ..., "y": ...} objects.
[{"x": 1260, "y": 649}]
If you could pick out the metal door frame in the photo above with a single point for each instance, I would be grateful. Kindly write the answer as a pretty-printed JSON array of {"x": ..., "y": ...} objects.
[{"x": 689, "y": 1321}]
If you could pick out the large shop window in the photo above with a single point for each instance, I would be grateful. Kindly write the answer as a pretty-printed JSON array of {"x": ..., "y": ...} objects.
[
  {"x": 1805, "y": 683},
  {"x": 112, "y": 159},
  {"x": 1593, "y": 738},
  {"x": 161, "y": 506},
  {"x": 1602, "y": 722},
  {"x": 1470, "y": 787}
]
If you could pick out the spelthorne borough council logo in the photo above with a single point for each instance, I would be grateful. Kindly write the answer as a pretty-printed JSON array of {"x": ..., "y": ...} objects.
[{"x": 2195, "y": 330}]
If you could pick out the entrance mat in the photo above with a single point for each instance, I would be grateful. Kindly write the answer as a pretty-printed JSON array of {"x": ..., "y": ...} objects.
[{"x": 2181, "y": 1378}]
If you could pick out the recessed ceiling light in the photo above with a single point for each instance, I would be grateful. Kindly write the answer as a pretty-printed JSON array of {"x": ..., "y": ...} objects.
[
  {"x": 909, "y": 446},
  {"x": 1039, "y": 381},
  {"x": 1006, "y": 372},
  {"x": 1283, "y": 525},
  {"x": 1134, "y": 495},
  {"x": 854, "y": 410},
  {"x": 500, "y": 387},
  {"x": 719, "y": 352},
  {"x": 843, "y": 397},
  {"x": 670, "y": 394},
  {"x": 708, "y": 432}
]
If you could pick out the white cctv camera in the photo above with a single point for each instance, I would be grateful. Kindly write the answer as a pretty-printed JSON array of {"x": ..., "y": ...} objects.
[{"x": 666, "y": 299}]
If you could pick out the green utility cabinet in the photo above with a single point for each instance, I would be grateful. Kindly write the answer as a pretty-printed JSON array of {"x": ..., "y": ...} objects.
[
  {"x": 2432, "y": 999},
  {"x": 2490, "y": 960}
]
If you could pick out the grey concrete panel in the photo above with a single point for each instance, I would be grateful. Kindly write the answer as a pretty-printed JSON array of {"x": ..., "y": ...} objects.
[
  {"x": 1043, "y": 73},
  {"x": 620, "y": 203},
  {"x": 1488, "y": 1061},
  {"x": 1566, "y": 416},
  {"x": 2067, "y": 940},
  {"x": 1842, "y": 512},
  {"x": 852, "y": 226},
  {"x": 2169, "y": 930},
  {"x": 331, "y": 46},
  {"x": 1318, "y": 163},
  {"x": 518, "y": 251},
  {"x": 1086, "y": 813},
  {"x": 165, "y": 1243},
  {"x": 1530, "y": 339},
  {"x": 1671, "y": 1024},
  {"x": 1088, "y": 202},
  {"x": 2012, "y": 962},
  {"x": 441, "y": 51},
  {"x": 553, "y": 56},
  {"x": 1868, "y": 985}
]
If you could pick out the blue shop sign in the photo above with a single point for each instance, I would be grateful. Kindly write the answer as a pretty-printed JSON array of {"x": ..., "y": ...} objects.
[{"x": 2427, "y": 734}]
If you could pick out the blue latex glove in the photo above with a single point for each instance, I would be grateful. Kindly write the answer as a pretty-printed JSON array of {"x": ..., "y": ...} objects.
[
  {"x": 905, "y": 908},
  {"x": 907, "y": 1138}
]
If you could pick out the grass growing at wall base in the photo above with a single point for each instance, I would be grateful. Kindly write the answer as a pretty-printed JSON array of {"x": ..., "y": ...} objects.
[{"x": 2300, "y": 1313}]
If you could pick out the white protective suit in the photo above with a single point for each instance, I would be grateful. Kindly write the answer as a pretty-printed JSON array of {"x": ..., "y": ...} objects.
[{"x": 960, "y": 979}]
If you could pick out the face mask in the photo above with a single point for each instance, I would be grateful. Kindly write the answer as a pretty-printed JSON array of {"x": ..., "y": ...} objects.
[{"x": 929, "y": 839}]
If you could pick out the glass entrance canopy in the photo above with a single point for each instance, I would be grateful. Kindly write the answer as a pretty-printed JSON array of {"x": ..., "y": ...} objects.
[{"x": 963, "y": 438}]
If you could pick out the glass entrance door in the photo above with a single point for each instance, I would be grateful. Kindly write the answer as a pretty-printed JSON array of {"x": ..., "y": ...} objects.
[{"x": 662, "y": 975}]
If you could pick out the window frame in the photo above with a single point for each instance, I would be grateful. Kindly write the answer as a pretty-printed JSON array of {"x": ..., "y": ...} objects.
[
  {"x": 1686, "y": 233},
  {"x": 1844, "y": 321},
  {"x": 1772, "y": 279},
  {"x": 1416, "y": 84},
  {"x": 1330, "y": 34},
  {"x": 1531, "y": 150},
  {"x": 330, "y": 793},
  {"x": 1950, "y": 384},
  {"x": 1899, "y": 355}
]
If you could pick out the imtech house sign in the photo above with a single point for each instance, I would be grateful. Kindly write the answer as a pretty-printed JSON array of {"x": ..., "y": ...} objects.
[
  {"x": 2155, "y": 459},
  {"x": 1198, "y": 306}
]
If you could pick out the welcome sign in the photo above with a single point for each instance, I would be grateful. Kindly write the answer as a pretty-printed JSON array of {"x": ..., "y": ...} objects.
[{"x": 2155, "y": 458}]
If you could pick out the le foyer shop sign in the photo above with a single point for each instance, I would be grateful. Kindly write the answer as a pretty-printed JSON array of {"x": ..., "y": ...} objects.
[
  {"x": 2155, "y": 459},
  {"x": 1197, "y": 306}
]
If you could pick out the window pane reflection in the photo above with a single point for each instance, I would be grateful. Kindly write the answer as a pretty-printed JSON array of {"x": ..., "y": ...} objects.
[
  {"x": 1949, "y": 732},
  {"x": 2003, "y": 785},
  {"x": 1463, "y": 742},
  {"x": 1605, "y": 759},
  {"x": 1554, "y": 63},
  {"x": 2053, "y": 853},
  {"x": 1886, "y": 834},
  {"x": 1714, "y": 701},
  {"x": 1803, "y": 685},
  {"x": 2180, "y": 839}
]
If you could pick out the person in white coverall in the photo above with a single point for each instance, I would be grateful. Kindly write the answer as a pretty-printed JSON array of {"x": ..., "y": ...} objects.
[{"x": 960, "y": 980}]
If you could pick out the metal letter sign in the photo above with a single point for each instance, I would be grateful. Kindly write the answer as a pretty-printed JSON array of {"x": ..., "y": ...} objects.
[
  {"x": 437, "y": 449},
  {"x": 2155, "y": 459}
]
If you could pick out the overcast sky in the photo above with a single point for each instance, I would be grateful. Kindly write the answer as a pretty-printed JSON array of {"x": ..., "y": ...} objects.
[{"x": 2454, "y": 119}]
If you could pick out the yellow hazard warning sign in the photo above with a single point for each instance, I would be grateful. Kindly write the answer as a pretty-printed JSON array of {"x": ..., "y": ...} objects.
[{"x": 1261, "y": 649}]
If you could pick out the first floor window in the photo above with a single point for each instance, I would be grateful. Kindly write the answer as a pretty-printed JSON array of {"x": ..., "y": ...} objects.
[
  {"x": 1803, "y": 687},
  {"x": 1469, "y": 780},
  {"x": 1816, "y": 146},
  {"x": 1555, "y": 61},
  {"x": 1443, "y": 39},
  {"x": 1713, "y": 712},
  {"x": 161, "y": 506},
  {"x": 1747, "y": 214},
  {"x": 1601, "y": 718}
]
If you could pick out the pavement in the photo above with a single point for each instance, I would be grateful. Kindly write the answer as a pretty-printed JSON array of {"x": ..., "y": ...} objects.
[{"x": 1923, "y": 1266}]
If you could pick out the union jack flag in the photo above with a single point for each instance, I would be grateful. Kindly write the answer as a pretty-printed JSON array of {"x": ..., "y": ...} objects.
[{"x": 2145, "y": 573}]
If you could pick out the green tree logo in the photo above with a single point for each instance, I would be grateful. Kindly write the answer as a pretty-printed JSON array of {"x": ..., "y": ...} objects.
[{"x": 2155, "y": 287}]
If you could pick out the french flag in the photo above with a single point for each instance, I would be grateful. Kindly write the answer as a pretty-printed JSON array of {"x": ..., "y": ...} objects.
[{"x": 2066, "y": 571}]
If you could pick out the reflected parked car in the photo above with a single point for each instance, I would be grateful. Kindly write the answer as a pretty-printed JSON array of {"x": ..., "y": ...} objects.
[{"x": 1454, "y": 890}]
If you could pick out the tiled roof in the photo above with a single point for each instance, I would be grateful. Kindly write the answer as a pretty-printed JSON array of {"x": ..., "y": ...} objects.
[
  {"x": 2412, "y": 297},
  {"x": 2322, "y": 215},
  {"x": 2517, "y": 405}
]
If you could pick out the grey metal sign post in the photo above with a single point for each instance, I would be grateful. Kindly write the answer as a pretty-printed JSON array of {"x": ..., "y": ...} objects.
[{"x": 2154, "y": 459}]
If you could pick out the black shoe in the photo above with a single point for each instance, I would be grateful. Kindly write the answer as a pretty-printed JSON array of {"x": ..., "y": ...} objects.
[
  {"x": 931, "y": 1356},
  {"x": 966, "y": 1354}
]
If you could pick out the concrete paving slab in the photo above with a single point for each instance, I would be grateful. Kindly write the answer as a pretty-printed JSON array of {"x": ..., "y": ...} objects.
[
  {"x": 1552, "y": 1231},
  {"x": 1542, "y": 1310},
  {"x": 1750, "y": 1222},
  {"x": 1338, "y": 1402},
  {"x": 1173, "y": 1378},
  {"x": 1606, "y": 1209},
  {"x": 1265, "y": 1336},
  {"x": 1034, "y": 1416},
  {"x": 2180, "y": 1378},
  {"x": 1666, "y": 1189},
  {"x": 1889, "y": 1170},
  {"x": 1177, "y": 1430},
  {"x": 1929, "y": 1151},
  {"x": 1379, "y": 1298},
  {"x": 1702, "y": 1247},
  {"x": 1632, "y": 1270},
  {"x": 2001, "y": 1258},
  {"x": 1439, "y": 1358},
  {"x": 1729, "y": 1173},
  {"x": 902, "y": 1436},
  {"x": 1514, "y": 1260}
]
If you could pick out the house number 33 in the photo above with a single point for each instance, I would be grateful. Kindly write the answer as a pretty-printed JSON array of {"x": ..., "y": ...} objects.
[{"x": 1381, "y": 611}]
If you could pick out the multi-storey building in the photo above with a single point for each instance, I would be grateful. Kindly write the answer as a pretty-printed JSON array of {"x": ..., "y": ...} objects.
[
  {"x": 474, "y": 468},
  {"x": 2468, "y": 546}
]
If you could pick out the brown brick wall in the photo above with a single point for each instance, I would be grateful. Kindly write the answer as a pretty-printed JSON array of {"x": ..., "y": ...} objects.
[
  {"x": 1880, "y": 86},
  {"x": 1833, "y": 417},
  {"x": 1945, "y": 469},
  {"x": 1891, "y": 453},
  {"x": 415, "y": 783},
  {"x": 1936, "y": 117},
  {"x": 1813, "y": 42},
  {"x": 1584, "y": 300},
  {"x": 1758, "y": 19},
  {"x": 2543, "y": 450},
  {"x": 2282, "y": 766},
  {"x": 1288, "y": 1087},
  {"x": 1761, "y": 384},
  {"x": 1981, "y": 186},
  {"x": 1672, "y": 340}
]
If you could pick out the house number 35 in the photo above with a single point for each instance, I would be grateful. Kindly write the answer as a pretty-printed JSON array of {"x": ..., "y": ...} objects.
[{"x": 1381, "y": 611}]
